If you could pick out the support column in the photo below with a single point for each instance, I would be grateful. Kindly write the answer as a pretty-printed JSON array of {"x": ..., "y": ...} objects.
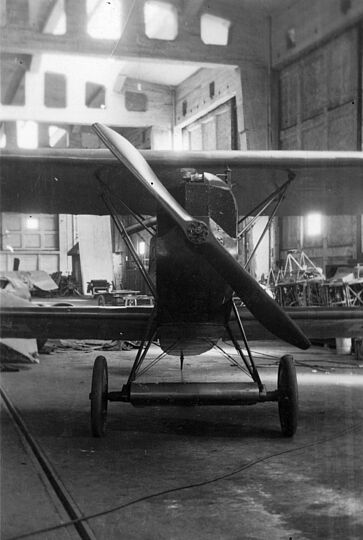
[
  {"x": 253, "y": 104},
  {"x": 65, "y": 242},
  {"x": 43, "y": 135}
]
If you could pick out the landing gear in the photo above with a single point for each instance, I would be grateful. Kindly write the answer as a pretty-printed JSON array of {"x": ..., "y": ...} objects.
[
  {"x": 99, "y": 397},
  {"x": 201, "y": 393},
  {"x": 287, "y": 396}
]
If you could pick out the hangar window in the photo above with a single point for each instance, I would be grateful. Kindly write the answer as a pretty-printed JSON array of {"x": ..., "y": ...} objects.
[
  {"x": 135, "y": 101},
  {"x": 212, "y": 90},
  {"x": 54, "y": 90},
  {"x": 95, "y": 96},
  {"x": 32, "y": 233},
  {"x": 313, "y": 224},
  {"x": 27, "y": 134},
  {"x": 214, "y": 30},
  {"x": 161, "y": 20},
  {"x": 2, "y": 137},
  {"x": 141, "y": 248},
  {"x": 58, "y": 137},
  {"x": 32, "y": 223},
  {"x": 56, "y": 22},
  {"x": 104, "y": 19}
]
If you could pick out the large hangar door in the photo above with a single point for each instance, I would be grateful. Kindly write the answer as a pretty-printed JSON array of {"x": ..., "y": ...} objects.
[
  {"x": 217, "y": 130},
  {"x": 319, "y": 110},
  {"x": 33, "y": 239}
]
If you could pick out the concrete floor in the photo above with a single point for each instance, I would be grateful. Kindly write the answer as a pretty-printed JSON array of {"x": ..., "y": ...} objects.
[{"x": 189, "y": 473}]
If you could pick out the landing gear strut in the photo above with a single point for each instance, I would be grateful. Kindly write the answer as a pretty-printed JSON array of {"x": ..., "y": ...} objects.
[{"x": 206, "y": 393}]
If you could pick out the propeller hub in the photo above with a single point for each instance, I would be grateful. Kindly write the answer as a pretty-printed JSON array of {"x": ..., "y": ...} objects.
[{"x": 197, "y": 232}]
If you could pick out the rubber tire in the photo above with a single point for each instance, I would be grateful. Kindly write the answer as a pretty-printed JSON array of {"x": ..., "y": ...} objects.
[
  {"x": 288, "y": 399},
  {"x": 101, "y": 300},
  {"x": 98, "y": 397}
]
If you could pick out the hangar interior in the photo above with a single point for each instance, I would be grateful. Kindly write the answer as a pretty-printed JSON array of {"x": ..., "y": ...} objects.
[
  {"x": 184, "y": 76},
  {"x": 180, "y": 75}
]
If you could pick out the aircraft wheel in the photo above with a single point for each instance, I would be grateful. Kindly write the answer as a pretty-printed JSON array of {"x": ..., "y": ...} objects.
[
  {"x": 101, "y": 300},
  {"x": 98, "y": 397},
  {"x": 288, "y": 395}
]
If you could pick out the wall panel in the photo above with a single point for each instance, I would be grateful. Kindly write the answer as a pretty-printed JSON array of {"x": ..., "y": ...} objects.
[{"x": 319, "y": 111}]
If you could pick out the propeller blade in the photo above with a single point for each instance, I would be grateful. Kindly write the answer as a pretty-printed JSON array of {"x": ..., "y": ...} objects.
[
  {"x": 137, "y": 164},
  {"x": 258, "y": 302},
  {"x": 262, "y": 306}
]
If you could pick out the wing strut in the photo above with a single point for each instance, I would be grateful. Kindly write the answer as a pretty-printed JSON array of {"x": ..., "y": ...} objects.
[
  {"x": 279, "y": 194},
  {"x": 256, "y": 212},
  {"x": 126, "y": 237}
]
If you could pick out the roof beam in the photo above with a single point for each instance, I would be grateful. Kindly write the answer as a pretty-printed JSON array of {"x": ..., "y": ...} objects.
[
  {"x": 248, "y": 41},
  {"x": 15, "y": 74}
]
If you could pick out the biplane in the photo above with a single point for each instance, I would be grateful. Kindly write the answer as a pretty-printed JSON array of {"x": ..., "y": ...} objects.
[{"x": 195, "y": 245}]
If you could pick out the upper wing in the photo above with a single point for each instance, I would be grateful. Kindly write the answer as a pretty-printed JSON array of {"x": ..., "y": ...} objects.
[{"x": 71, "y": 181}]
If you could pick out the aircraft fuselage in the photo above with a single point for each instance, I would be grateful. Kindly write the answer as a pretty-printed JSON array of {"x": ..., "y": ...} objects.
[{"x": 194, "y": 301}]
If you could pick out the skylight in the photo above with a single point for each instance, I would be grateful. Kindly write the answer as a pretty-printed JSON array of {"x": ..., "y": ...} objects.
[
  {"x": 104, "y": 19},
  {"x": 214, "y": 30},
  {"x": 56, "y": 23},
  {"x": 161, "y": 20}
]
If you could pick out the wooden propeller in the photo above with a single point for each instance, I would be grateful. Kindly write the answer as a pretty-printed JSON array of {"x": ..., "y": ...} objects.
[{"x": 199, "y": 234}]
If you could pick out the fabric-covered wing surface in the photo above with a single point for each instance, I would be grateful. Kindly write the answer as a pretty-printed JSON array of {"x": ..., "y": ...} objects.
[{"x": 67, "y": 180}]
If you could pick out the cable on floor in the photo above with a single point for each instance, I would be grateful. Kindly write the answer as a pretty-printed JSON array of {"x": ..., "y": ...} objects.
[{"x": 350, "y": 429}]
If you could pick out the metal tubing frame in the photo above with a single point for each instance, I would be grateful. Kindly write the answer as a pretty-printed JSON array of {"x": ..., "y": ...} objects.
[
  {"x": 143, "y": 349},
  {"x": 138, "y": 217},
  {"x": 125, "y": 236},
  {"x": 280, "y": 191},
  {"x": 268, "y": 225}
]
